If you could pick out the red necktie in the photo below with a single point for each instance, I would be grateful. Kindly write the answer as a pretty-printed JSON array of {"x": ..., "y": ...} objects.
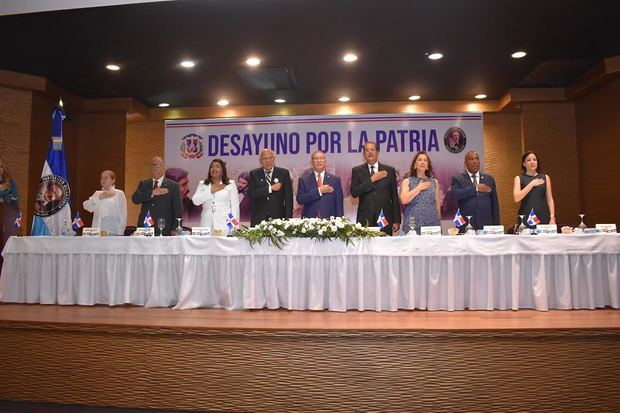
[{"x": 319, "y": 183}]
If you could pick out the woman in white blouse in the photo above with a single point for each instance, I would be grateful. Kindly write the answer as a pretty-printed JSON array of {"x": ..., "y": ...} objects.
[
  {"x": 109, "y": 206},
  {"x": 218, "y": 196}
]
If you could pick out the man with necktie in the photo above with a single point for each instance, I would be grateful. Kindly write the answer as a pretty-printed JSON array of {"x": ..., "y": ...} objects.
[
  {"x": 159, "y": 195},
  {"x": 320, "y": 192},
  {"x": 270, "y": 190},
  {"x": 475, "y": 194},
  {"x": 375, "y": 185}
]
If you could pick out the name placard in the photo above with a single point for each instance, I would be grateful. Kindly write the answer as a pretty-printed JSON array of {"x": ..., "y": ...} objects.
[
  {"x": 430, "y": 230},
  {"x": 607, "y": 228},
  {"x": 90, "y": 232},
  {"x": 203, "y": 231},
  {"x": 547, "y": 229},
  {"x": 145, "y": 232},
  {"x": 494, "y": 229}
]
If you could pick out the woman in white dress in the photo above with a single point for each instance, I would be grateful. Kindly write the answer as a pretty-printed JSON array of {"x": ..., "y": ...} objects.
[
  {"x": 218, "y": 196},
  {"x": 109, "y": 206}
]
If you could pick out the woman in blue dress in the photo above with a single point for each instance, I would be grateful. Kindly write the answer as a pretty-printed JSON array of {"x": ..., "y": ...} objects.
[{"x": 420, "y": 195}]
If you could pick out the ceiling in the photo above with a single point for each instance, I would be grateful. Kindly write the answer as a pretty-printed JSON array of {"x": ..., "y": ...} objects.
[{"x": 301, "y": 44}]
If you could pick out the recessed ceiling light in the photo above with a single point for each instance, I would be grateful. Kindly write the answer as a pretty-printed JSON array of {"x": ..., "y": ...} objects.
[
  {"x": 518, "y": 55},
  {"x": 163, "y": 105},
  {"x": 414, "y": 97},
  {"x": 344, "y": 99},
  {"x": 223, "y": 102},
  {"x": 435, "y": 56},
  {"x": 280, "y": 101},
  {"x": 253, "y": 61},
  {"x": 113, "y": 67},
  {"x": 481, "y": 96},
  {"x": 188, "y": 64},
  {"x": 349, "y": 57}
]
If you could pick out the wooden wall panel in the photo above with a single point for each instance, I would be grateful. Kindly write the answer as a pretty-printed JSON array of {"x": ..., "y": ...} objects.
[
  {"x": 15, "y": 112},
  {"x": 144, "y": 141},
  {"x": 598, "y": 130},
  {"x": 101, "y": 147},
  {"x": 271, "y": 370},
  {"x": 549, "y": 129},
  {"x": 502, "y": 153}
]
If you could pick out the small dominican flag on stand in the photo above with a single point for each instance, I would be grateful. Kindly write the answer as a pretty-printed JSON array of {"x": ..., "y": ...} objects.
[
  {"x": 231, "y": 222},
  {"x": 148, "y": 220},
  {"x": 77, "y": 221},
  {"x": 458, "y": 218},
  {"x": 532, "y": 219},
  {"x": 19, "y": 222},
  {"x": 382, "y": 221}
]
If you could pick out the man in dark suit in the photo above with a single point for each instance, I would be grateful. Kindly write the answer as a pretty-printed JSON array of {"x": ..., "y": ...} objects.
[
  {"x": 161, "y": 196},
  {"x": 320, "y": 192},
  {"x": 475, "y": 194},
  {"x": 375, "y": 185},
  {"x": 270, "y": 190}
]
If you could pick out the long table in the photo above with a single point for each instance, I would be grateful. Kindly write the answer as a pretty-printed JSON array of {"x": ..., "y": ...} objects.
[{"x": 390, "y": 273}]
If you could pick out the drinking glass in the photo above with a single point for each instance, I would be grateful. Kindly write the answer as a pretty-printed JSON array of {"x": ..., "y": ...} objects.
[
  {"x": 522, "y": 226},
  {"x": 469, "y": 229},
  {"x": 161, "y": 224},
  {"x": 582, "y": 225},
  {"x": 179, "y": 229}
]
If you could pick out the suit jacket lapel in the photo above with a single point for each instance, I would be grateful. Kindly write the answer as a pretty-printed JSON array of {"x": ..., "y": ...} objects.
[
  {"x": 366, "y": 169},
  {"x": 468, "y": 178}
]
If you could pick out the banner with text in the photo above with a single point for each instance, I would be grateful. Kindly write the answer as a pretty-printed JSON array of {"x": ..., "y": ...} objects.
[{"x": 191, "y": 145}]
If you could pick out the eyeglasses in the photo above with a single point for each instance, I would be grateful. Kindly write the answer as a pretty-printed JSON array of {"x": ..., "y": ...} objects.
[
  {"x": 322, "y": 158},
  {"x": 269, "y": 158}
]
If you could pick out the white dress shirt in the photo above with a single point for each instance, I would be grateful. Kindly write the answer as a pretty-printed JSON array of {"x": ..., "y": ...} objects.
[
  {"x": 316, "y": 178},
  {"x": 375, "y": 166},
  {"x": 477, "y": 175},
  {"x": 159, "y": 182}
]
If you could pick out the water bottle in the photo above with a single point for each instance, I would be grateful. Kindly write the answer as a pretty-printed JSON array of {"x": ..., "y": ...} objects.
[{"x": 411, "y": 224}]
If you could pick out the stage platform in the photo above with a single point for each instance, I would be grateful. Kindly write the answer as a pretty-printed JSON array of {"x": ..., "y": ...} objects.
[{"x": 279, "y": 360}]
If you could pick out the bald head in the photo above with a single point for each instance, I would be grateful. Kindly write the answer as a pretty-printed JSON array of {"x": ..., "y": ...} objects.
[{"x": 267, "y": 159}]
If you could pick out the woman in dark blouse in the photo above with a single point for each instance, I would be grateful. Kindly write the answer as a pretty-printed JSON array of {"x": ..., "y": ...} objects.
[{"x": 533, "y": 190}]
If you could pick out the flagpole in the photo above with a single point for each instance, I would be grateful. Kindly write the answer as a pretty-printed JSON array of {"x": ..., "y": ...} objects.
[{"x": 53, "y": 197}]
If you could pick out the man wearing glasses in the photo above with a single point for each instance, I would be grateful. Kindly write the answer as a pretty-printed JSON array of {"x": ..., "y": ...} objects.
[
  {"x": 270, "y": 190},
  {"x": 319, "y": 191}
]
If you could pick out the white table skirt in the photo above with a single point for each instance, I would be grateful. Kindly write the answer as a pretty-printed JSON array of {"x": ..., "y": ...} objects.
[{"x": 434, "y": 273}]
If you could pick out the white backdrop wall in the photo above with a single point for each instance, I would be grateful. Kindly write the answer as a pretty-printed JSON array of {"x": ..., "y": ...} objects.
[{"x": 191, "y": 145}]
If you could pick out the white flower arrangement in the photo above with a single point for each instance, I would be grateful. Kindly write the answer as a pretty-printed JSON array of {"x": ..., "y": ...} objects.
[{"x": 279, "y": 231}]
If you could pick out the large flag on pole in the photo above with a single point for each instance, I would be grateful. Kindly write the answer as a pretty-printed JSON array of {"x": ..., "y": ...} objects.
[{"x": 52, "y": 210}]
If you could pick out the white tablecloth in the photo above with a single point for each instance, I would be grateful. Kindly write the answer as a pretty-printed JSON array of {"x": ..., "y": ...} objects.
[{"x": 391, "y": 273}]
